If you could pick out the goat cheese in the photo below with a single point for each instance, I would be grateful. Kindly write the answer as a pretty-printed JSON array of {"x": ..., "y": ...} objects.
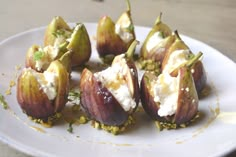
[
  {"x": 154, "y": 40},
  {"x": 165, "y": 92},
  {"x": 113, "y": 79}
]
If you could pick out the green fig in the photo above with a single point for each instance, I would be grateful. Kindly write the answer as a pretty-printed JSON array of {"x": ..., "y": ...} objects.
[
  {"x": 79, "y": 45},
  {"x": 157, "y": 42},
  {"x": 114, "y": 38},
  {"x": 41, "y": 95},
  {"x": 57, "y": 32}
]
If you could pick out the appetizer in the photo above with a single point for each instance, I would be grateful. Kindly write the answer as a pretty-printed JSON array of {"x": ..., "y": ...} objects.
[
  {"x": 171, "y": 99},
  {"x": 109, "y": 97}
]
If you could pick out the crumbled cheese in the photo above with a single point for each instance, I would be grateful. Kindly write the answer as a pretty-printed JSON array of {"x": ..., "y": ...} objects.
[
  {"x": 113, "y": 79},
  {"x": 154, "y": 40},
  {"x": 165, "y": 92},
  {"x": 176, "y": 59},
  {"x": 122, "y": 31},
  {"x": 50, "y": 88},
  {"x": 50, "y": 53},
  {"x": 47, "y": 84}
]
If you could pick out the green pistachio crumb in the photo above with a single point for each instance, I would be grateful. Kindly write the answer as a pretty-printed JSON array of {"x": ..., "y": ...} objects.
[
  {"x": 70, "y": 129},
  {"x": 3, "y": 102},
  {"x": 38, "y": 55}
]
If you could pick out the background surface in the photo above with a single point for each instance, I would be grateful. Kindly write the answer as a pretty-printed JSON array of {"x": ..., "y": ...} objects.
[{"x": 210, "y": 21}]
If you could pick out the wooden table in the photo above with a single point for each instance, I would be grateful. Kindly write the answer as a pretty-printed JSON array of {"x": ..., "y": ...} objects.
[{"x": 210, "y": 21}]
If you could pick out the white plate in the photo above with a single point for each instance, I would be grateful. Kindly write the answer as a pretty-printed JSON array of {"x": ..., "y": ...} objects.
[{"x": 210, "y": 136}]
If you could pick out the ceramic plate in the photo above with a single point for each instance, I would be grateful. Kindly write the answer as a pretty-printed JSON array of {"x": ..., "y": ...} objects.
[{"x": 213, "y": 134}]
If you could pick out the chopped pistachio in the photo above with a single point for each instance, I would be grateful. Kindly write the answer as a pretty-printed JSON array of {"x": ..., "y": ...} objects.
[
  {"x": 74, "y": 97},
  {"x": 70, "y": 129},
  {"x": 3, "y": 102},
  {"x": 38, "y": 55},
  {"x": 113, "y": 129}
]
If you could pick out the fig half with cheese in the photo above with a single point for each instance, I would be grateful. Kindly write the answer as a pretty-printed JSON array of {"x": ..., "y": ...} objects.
[
  {"x": 112, "y": 95},
  {"x": 41, "y": 95},
  {"x": 178, "y": 55},
  {"x": 169, "y": 99},
  {"x": 114, "y": 38},
  {"x": 77, "y": 43},
  {"x": 157, "y": 42}
]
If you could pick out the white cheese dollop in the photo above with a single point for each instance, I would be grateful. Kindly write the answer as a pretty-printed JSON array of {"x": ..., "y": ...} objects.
[
  {"x": 154, "y": 40},
  {"x": 115, "y": 75},
  {"x": 50, "y": 87},
  {"x": 165, "y": 92},
  {"x": 122, "y": 31},
  {"x": 176, "y": 59}
]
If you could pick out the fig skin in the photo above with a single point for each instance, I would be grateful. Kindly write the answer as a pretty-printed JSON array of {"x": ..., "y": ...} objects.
[
  {"x": 98, "y": 102},
  {"x": 187, "y": 103},
  {"x": 57, "y": 23},
  {"x": 158, "y": 52},
  {"x": 31, "y": 98},
  {"x": 80, "y": 46}
]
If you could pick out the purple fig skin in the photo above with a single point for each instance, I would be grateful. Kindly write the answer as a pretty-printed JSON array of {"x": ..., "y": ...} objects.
[
  {"x": 99, "y": 103},
  {"x": 33, "y": 101},
  {"x": 187, "y": 103},
  {"x": 187, "y": 106},
  {"x": 148, "y": 103},
  {"x": 199, "y": 76}
]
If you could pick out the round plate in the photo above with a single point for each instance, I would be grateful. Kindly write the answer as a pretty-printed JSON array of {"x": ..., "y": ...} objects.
[{"x": 213, "y": 134}]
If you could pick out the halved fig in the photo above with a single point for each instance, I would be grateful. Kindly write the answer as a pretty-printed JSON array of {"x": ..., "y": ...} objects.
[
  {"x": 114, "y": 38},
  {"x": 157, "y": 42},
  {"x": 57, "y": 32},
  {"x": 111, "y": 95},
  {"x": 170, "y": 99},
  {"x": 42, "y": 95},
  {"x": 178, "y": 55}
]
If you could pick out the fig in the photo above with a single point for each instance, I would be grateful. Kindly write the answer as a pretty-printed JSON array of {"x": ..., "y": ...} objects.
[
  {"x": 79, "y": 45},
  {"x": 178, "y": 55},
  {"x": 114, "y": 38},
  {"x": 111, "y": 95},
  {"x": 170, "y": 99},
  {"x": 157, "y": 42},
  {"x": 41, "y": 95},
  {"x": 57, "y": 32}
]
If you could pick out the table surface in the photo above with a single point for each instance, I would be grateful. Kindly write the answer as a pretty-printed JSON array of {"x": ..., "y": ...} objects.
[{"x": 210, "y": 21}]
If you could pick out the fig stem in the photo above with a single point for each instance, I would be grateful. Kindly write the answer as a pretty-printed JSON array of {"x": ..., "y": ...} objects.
[
  {"x": 194, "y": 59},
  {"x": 177, "y": 35},
  {"x": 128, "y": 5},
  {"x": 130, "y": 52},
  {"x": 63, "y": 46},
  {"x": 158, "y": 20}
]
